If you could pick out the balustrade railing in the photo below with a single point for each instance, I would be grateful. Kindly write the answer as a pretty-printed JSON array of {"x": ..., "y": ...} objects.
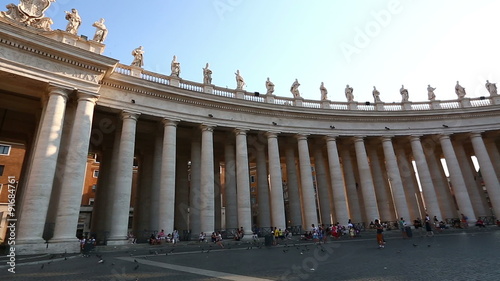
[{"x": 285, "y": 101}]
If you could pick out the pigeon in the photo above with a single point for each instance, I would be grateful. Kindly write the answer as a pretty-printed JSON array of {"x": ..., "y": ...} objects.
[
  {"x": 135, "y": 261},
  {"x": 429, "y": 246},
  {"x": 284, "y": 251},
  {"x": 42, "y": 266},
  {"x": 101, "y": 261},
  {"x": 415, "y": 245},
  {"x": 136, "y": 267}
]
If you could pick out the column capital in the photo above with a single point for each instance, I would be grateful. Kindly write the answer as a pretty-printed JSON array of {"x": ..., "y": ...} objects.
[
  {"x": 331, "y": 137},
  {"x": 207, "y": 127},
  {"x": 87, "y": 96},
  {"x": 386, "y": 138},
  {"x": 476, "y": 134},
  {"x": 301, "y": 136},
  {"x": 358, "y": 138},
  {"x": 415, "y": 137},
  {"x": 443, "y": 136},
  {"x": 240, "y": 131},
  {"x": 271, "y": 134},
  {"x": 129, "y": 115},
  {"x": 54, "y": 89},
  {"x": 169, "y": 122}
]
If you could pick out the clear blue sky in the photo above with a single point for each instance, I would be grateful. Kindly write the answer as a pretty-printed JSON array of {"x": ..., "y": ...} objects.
[{"x": 362, "y": 43}]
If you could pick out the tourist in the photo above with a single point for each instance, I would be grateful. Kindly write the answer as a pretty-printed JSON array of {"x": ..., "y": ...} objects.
[
  {"x": 480, "y": 223},
  {"x": 380, "y": 234}
]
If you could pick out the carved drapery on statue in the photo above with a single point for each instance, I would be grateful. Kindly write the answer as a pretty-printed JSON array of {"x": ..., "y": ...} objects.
[{"x": 30, "y": 12}]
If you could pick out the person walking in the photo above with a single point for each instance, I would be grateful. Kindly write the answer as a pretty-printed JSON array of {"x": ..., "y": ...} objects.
[{"x": 380, "y": 234}]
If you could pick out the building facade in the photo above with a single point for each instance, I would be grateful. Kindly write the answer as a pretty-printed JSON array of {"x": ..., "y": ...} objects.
[{"x": 207, "y": 157}]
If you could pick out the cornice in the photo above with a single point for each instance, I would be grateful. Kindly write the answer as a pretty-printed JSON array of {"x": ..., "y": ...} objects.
[{"x": 183, "y": 96}]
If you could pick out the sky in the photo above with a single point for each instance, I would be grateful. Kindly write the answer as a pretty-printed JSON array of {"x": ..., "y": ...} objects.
[{"x": 363, "y": 43}]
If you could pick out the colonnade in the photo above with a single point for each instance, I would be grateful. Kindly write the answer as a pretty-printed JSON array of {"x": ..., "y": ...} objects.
[{"x": 329, "y": 178}]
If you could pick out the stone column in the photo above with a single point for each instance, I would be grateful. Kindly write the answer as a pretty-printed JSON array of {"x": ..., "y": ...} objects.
[
  {"x": 487, "y": 171},
  {"x": 468, "y": 171},
  {"x": 217, "y": 193},
  {"x": 276, "y": 182},
  {"x": 263, "y": 187},
  {"x": 440, "y": 181},
  {"x": 351, "y": 186},
  {"x": 337, "y": 182},
  {"x": 410, "y": 184},
  {"x": 243, "y": 183},
  {"x": 494, "y": 154},
  {"x": 102, "y": 193},
  {"x": 323, "y": 188},
  {"x": 41, "y": 175},
  {"x": 68, "y": 207},
  {"x": 230, "y": 186},
  {"x": 106, "y": 213},
  {"x": 167, "y": 181},
  {"x": 398, "y": 192},
  {"x": 424, "y": 175},
  {"x": 384, "y": 202},
  {"x": 207, "y": 206},
  {"x": 154, "y": 219},
  {"x": 142, "y": 207},
  {"x": 294, "y": 204},
  {"x": 181, "y": 222},
  {"x": 457, "y": 179},
  {"x": 306, "y": 180},
  {"x": 195, "y": 198},
  {"x": 367, "y": 188},
  {"x": 123, "y": 187}
]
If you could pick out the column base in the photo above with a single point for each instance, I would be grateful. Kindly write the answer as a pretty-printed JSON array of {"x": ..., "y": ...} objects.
[
  {"x": 117, "y": 242},
  {"x": 52, "y": 247}
]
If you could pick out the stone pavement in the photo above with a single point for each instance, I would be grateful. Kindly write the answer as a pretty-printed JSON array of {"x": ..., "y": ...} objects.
[{"x": 470, "y": 254}]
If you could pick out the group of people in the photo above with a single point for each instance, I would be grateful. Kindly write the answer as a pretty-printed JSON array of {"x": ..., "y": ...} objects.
[
  {"x": 321, "y": 233},
  {"x": 161, "y": 238}
]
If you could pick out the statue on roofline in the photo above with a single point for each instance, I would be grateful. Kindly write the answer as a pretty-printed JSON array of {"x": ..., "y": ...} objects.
[
  {"x": 430, "y": 93},
  {"x": 492, "y": 88},
  {"x": 74, "y": 21},
  {"x": 101, "y": 31},
  {"x": 138, "y": 54},
  {"x": 349, "y": 93}
]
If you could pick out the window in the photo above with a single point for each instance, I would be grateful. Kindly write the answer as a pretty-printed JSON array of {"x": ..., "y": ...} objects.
[
  {"x": 4, "y": 149},
  {"x": 94, "y": 187},
  {"x": 2, "y": 167},
  {"x": 96, "y": 173},
  {"x": 91, "y": 201},
  {"x": 252, "y": 179}
]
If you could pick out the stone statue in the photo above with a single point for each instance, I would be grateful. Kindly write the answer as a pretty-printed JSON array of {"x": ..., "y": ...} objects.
[
  {"x": 492, "y": 88},
  {"x": 30, "y": 13},
  {"x": 324, "y": 91},
  {"x": 138, "y": 54},
  {"x": 376, "y": 95},
  {"x": 74, "y": 21},
  {"x": 404, "y": 94},
  {"x": 348, "y": 93},
  {"x": 295, "y": 89},
  {"x": 207, "y": 75},
  {"x": 101, "y": 31},
  {"x": 460, "y": 91},
  {"x": 240, "y": 82},
  {"x": 175, "y": 66},
  {"x": 430, "y": 93},
  {"x": 269, "y": 87}
]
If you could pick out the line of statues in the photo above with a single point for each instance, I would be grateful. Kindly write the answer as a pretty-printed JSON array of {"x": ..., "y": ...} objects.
[
  {"x": 138, "y": 61},
  {"x": 75, "y": 21}
]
